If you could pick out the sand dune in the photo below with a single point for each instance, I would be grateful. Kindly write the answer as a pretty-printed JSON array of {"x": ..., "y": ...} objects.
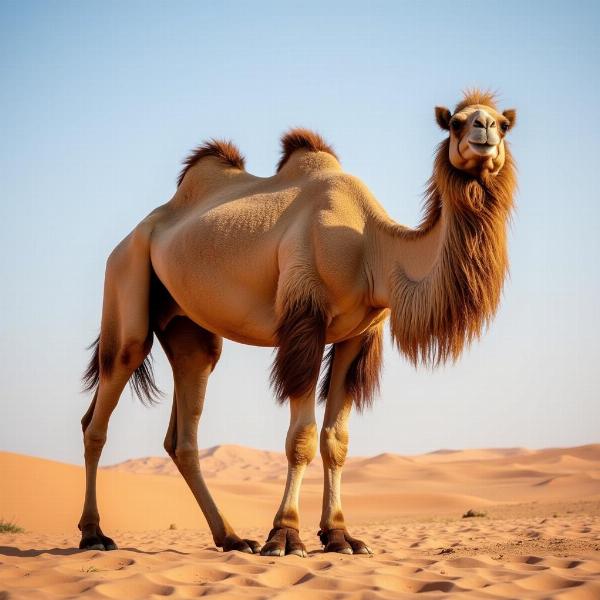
[{"x": 540, "y": 538}]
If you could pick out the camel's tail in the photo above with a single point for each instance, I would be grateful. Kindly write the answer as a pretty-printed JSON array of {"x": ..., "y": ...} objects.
[{"x": 142, "y": 382}]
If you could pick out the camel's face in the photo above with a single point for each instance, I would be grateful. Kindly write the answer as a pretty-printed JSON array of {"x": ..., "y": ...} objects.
[{"x": 476, "y": 137}]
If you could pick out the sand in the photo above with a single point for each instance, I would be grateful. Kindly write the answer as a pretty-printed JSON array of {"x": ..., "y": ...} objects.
[{"x": 539, "y": 538}]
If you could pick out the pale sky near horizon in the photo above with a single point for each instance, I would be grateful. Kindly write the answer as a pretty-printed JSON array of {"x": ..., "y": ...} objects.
[{"x": 100, "y": 102}]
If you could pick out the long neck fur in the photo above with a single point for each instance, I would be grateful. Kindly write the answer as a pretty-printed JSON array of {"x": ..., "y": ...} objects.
[{"x": 433, "y": 319}]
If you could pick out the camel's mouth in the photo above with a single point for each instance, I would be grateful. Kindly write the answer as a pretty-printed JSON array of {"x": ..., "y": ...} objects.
[{"x": 484, "y": 149}]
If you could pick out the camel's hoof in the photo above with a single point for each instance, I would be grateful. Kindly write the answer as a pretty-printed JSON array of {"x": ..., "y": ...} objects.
[
  {"x": 282, "y": 541},
  {"x": 88, "y": 545},
  {"x": 340, "y": 541},
  {"x": 298, "y": 552},
  {"x": 254, "y": 546},
  {"x": 97, "y": 542},
  {"x": 236, "y": 543}
]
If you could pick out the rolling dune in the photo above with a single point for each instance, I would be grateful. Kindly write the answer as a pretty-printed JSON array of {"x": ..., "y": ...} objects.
[{"x": 540, "y": 537}]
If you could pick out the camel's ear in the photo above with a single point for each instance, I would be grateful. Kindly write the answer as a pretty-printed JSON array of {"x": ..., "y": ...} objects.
[
  {"x": 511, "y": 115},
  {"x": 443, "y": 116}
]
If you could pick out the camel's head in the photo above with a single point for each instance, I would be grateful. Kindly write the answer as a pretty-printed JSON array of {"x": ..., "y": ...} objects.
[{"x": 477, "y": 132}]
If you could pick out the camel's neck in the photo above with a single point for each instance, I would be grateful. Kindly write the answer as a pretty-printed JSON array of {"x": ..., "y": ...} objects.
[{"x": 443, "y": 280}]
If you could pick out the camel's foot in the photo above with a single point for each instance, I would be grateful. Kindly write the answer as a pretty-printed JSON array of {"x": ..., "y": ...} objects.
[
  {"x": 339, "y": 540},
  {"x": 92, "y": 538},
  {"x": 282, "y": 541},
  {"x": 233, "y": 542}
]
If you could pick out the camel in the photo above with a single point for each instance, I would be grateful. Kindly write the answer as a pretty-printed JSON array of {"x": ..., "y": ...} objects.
[{"x": 299, "y": 261}]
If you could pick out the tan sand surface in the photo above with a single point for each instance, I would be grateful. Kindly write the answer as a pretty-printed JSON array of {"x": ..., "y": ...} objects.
[{"x": 540, "y": 537}]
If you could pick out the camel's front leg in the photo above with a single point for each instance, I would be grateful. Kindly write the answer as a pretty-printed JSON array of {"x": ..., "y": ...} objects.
[
  {"x": 300, "y": 448},
  {"x": 353, "y": 374}
]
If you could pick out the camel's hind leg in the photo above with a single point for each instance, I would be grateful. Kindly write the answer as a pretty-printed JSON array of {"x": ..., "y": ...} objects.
[
  {"x": 193, "y": 353},
  {"x": 353, "y": 375},
  {"x": 124, "y": 343}
]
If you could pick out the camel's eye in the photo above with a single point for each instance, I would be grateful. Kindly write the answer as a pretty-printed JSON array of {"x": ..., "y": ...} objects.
[
  {"x": 504, "y": 126},
  {"x": 456, "y": 124}
]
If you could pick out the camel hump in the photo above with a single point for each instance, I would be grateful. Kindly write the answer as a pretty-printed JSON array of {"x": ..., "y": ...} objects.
[
  {"x": 302, "y": 139},
  {"x": 226, "y": 151}
]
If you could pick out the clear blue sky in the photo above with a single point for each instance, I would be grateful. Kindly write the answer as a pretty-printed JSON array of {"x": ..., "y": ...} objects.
[{"x": 100, "y": 101}]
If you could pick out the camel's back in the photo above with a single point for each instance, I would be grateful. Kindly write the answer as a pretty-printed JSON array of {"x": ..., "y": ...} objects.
[
  {"x": 217, "y": 198},
  {"x": 227, "y": 205}
]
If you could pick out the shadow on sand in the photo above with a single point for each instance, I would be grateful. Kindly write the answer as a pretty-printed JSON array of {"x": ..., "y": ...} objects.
[{"x": 12, "y": 551}]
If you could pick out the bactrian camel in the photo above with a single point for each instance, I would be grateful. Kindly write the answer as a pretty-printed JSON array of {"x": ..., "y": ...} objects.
[{"x": 298, "y": 261}]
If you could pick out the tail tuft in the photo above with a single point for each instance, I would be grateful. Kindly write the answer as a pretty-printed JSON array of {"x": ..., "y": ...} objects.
[
  {"x": 91, "y": 376},
  {"x": 142, "y": 382}
]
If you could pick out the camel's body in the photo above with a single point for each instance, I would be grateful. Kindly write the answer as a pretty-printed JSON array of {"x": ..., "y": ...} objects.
[
  {"x": 241, "y": 242},
  {"x": 299, "y": 260}
]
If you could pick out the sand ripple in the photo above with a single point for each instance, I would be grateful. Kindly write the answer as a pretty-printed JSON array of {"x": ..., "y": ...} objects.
[{"x": 498, "y": 558}]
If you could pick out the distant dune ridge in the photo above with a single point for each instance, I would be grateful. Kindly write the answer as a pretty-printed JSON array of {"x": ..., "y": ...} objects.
[{"x": 540, "y": 536}]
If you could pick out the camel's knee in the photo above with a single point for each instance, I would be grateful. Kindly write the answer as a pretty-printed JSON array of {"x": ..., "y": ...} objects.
[
  {"x": 334, "y": 446},
  {"x": 301, "y": 444},
  {"x": 186, "y": 455},
  {"x": 93, "y": 442},
  {"x": 132, "y": 353},
  {"x": 125, "y": 355}
]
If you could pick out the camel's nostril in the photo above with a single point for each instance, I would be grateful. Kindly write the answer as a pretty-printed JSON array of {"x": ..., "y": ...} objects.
[
  {"x": 478, "y": 123},
  {"x": 493, "y": 124}
]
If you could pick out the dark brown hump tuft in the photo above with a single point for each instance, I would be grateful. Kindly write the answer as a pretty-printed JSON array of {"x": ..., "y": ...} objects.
[
  {"x": 477, "y": 96},
  {"x": 224, "y": 150},
  {"x": 298, "y": 138}
]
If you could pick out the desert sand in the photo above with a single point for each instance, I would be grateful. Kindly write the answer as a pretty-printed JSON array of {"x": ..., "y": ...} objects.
[{"x": 539, "y": 538}]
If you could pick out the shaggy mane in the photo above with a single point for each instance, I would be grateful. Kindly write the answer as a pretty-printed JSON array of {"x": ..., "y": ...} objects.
[
  {"x": 224, "y": 150},
  {"x": 300, "y": 138},
  {"x": 476, "y": 96},
  {"x": 432, "y": 320}
]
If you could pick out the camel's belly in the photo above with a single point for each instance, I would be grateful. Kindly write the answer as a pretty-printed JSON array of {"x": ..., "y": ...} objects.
[
  {"x": 236, "y": 312},
  {"x": 243, "y": 313},
  {"x": 247, "y": 322}
]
